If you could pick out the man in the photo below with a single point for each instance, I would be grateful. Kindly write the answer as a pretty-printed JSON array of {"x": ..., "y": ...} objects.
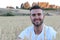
[{"x": 38, "y": 31}]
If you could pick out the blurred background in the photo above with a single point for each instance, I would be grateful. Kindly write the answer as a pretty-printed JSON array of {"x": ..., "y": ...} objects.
[{"x": 15, "y": 16}]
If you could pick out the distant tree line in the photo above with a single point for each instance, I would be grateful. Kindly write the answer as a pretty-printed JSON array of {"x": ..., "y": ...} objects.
[{"x": 44, "y": 5}]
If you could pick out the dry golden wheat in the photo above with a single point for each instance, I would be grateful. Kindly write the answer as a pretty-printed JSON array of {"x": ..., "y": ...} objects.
[{"x": 10, "y": 27}]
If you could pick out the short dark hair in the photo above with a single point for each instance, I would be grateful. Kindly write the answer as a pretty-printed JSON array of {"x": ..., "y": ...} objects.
[{"x": 35, "y": 7}]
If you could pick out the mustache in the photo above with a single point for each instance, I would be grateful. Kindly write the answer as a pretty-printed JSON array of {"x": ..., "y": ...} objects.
[{"x": 37, "y": 19}]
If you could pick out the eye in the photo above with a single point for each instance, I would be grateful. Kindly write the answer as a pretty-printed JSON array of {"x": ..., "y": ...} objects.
[
  {"x": 33, "y": 14},
  {"x": 39, "y": 14}
]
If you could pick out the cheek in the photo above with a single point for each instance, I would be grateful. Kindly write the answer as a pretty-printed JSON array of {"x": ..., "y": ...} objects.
[
  {"x": 41, "y": 17},
  {"x": 32, "y": 18}
]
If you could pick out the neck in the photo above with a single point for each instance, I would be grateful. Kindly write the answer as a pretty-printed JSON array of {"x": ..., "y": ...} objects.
[{"x": 38, "y": 30}]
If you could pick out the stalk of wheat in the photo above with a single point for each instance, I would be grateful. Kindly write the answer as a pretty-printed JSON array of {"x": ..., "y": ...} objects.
[{"x": 58, "y": 36}]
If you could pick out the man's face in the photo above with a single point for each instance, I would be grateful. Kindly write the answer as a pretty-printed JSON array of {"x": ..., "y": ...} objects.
[{"x": 37, "y": 17}]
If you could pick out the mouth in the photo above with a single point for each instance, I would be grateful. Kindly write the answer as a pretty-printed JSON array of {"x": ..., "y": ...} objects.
[{"x": 37, "y": 20}]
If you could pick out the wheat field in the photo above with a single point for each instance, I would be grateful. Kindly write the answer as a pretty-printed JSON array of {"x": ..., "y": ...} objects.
[{"x": 11, "y": 26}]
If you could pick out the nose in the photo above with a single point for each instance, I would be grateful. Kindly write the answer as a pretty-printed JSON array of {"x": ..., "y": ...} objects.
[{"x": 36, "y": 16}]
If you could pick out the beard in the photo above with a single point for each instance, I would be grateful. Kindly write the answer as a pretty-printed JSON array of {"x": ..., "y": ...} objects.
[{"x": 37, "y": 24}]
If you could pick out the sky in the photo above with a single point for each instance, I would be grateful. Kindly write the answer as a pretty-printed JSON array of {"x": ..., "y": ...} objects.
[{"x": 14, "y": 3}]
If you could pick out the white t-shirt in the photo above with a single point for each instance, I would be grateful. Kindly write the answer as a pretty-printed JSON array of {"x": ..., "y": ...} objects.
[{"x": 47, "y": 33}]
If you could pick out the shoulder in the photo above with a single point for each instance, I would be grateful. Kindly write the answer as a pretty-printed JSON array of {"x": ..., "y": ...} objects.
[
  {"x": 51, "y": 31},
  {"x": 25, "y": 32},
  {"x": 29, "y": 28}
]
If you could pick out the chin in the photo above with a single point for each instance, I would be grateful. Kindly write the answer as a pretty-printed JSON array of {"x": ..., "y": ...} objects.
[{"x": 37, "y": 25}]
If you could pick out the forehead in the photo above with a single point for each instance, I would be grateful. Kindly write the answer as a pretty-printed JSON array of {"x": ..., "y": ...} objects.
[{"x": 36, "y": 11}]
